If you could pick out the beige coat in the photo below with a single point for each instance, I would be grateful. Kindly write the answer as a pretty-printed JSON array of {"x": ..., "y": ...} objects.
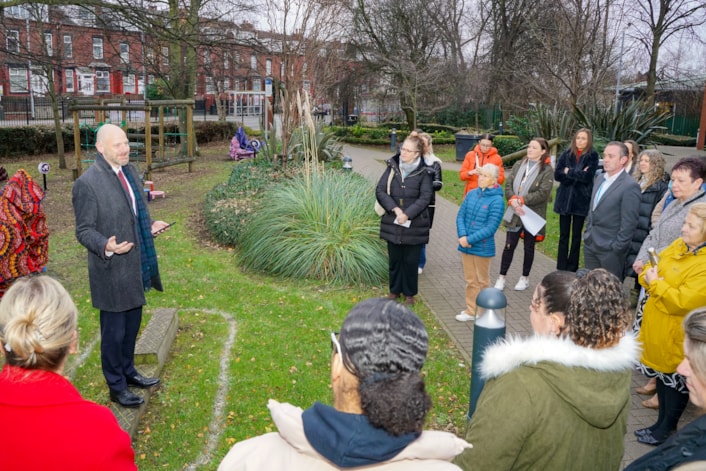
[{"x": 289, "y": 449}]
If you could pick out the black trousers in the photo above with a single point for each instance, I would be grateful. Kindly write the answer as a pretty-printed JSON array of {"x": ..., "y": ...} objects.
[
  {"x": 511, "y": 241},
  {"x": 570, "y": 228},
  {"x": 118, "y": 337},
  {"x": 403, "y": 263}
]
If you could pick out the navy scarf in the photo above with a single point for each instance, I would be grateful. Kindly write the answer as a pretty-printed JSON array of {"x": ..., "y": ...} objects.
[{"x": 148, "y": 254}]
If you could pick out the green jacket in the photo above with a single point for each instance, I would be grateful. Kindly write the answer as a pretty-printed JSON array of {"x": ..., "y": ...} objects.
[{"x": 549, "y": 404}]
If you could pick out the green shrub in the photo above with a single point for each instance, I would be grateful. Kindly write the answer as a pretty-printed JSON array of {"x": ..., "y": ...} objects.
[
  {"x": 322, "y": 227},
  {"x": 328, "y": 146},
  {"x": 507, "y": 144},
  {"x": 229, "y": 207}
]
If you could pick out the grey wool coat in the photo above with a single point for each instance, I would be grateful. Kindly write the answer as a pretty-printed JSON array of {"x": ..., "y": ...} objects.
[{"x": 102, "y": 209}]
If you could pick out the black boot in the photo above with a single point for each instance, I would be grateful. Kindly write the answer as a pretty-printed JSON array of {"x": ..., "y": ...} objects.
[
  {"x": 674, "y": 402},
  {"x": 660, "y": 415}
]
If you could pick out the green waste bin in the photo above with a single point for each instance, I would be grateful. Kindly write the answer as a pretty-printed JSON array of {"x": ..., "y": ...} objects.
[{"x": 464, "y": 143}]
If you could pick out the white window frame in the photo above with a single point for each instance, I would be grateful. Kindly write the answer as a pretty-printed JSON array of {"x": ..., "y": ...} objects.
[
  {"x": 125, "y": 53},
  {"x": 102, "y": 77},
  {"x": 97, "y": 48},
  {"x": 268, "y": 67},
  {"x": 19, "y": 80},
  {"x": 165, "y": 56},
  {"x": 69, "y": 80},
  {"x": 253, "y": 61},
  {"x": 210, "y": 86},
  {"x": 256, "y": 85},
  {"x": 68, "y": 46},
  {"x": 49, "y": 43},
  {"x": 86, "y": 84}
]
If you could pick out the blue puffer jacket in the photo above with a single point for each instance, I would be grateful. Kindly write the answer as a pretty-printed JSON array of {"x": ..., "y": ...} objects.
[{"x": 478, "y": 218}]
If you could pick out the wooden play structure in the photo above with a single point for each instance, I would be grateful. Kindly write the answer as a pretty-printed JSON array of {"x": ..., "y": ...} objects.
[{"x": 163, "y": 149}]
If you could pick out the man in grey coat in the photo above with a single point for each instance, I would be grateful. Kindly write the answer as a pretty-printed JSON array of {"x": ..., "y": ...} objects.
[
  {"x": 613, "y": 214},
  {"x": 113, "y": 223}
]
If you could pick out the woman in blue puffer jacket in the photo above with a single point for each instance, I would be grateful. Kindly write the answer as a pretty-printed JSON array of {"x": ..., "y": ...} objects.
[{"x": 478, "y": 218}]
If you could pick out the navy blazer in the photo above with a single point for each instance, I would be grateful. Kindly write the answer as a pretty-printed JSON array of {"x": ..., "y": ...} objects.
[{"x": 610, "y": 226}]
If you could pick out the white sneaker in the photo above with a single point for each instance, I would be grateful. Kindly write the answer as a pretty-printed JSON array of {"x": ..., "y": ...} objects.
[
  {"x": 464, "y": 317},
  {"x": 522, "y": 284},
  {"x": 500, "y": 284},
  {"x": 419, "y": 270}
]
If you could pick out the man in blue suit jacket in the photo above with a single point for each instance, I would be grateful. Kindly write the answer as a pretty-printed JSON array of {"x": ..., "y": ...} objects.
[{"x": 613, "y": 215}]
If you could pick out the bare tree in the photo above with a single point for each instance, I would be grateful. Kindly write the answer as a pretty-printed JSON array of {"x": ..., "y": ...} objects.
[
  {"x": 301, "y": 33},
  {"x": 396, "y": 39},
  {"x": 659, "y": 20}
]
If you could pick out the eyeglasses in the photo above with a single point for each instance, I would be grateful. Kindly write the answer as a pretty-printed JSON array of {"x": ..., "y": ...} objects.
[
  {"x": 404, "y": 149},
  {"x": 335, "y": 346}
]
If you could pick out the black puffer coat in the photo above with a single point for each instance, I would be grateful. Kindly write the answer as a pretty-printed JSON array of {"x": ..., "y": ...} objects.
[
  {"x": 412, "y": 196},
  {"x": 574, "y": 193},
  {"x": 648, "y": 200}
]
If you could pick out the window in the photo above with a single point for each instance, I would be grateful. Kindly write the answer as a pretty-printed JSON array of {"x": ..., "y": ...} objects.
[
  {"x": 149, "y": 55},
  {"x": 268, "y": 67},
  {"x": 86, "y": 15},
  {"x": 19, "y": 82},
  {"x": 226, "y": 60},
  {"x": 253, "y": 61},
  {"x": 165, "y": 56},
  {"x": 49, "y": 43},
  {"x": 304, "y": 67},
  {"x": 40, "y": 83},
  {"x": 226, "y": 84},
  {"x": 98, "y": 48},
  {"x": 256, "y": 85},
  {"x": 206, "y": 58},
  {"x": 210, "y": 88},
  {"x": 306, "y": 86},
  {"x": 69, "y": 79},
  {"x": 18, "y": 11},
  {"x": 125, "y": 53},
  {"x": 102, "y": 81},
  {"x": 237, "y": 58},
  {"x": 68, "y": 47},
  {"x": 13, "y": 41},
  {"x": 128, "y": 83},
  {"x": 85, "y": 84}
]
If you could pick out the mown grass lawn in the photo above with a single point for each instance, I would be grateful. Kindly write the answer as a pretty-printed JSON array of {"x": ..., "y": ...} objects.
[{"x": 243, "y": 338}]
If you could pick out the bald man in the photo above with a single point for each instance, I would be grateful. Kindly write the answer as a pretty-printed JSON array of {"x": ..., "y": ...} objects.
[{"x": 114, "y": 224}]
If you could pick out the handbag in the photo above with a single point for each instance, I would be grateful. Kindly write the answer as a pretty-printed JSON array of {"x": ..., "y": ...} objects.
[{"x": 379, "y": 210}]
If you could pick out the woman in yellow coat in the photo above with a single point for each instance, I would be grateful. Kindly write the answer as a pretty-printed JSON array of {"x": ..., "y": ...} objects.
[{"x": 675, "y": 287}]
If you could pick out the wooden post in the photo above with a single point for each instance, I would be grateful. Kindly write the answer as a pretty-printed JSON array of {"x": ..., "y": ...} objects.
[
  {"x": 77, "y": 145},
  {"x": 190, "y": 133},
  {"x": 702, "y": 124},
  {"x": 148, "y": 141}
]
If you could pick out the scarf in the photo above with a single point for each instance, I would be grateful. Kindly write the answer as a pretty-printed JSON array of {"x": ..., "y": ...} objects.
[
  {"x": 407, "y": 168},
  {"x": 521, "y": 184},
  {"x": 148, "y": 254}
]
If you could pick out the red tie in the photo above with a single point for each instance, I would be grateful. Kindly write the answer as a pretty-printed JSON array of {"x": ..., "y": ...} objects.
[
  {"x": 127, "y": 191},
  {"x": 123, "y": 181}
]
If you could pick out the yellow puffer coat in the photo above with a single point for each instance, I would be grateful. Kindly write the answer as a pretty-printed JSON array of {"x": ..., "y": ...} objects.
[{"x": 679, "y": 289}]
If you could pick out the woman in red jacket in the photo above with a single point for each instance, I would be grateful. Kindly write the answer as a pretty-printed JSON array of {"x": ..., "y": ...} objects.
[
  {"x": 46, "y": 424},
  {"x": 483, "y": 153}
]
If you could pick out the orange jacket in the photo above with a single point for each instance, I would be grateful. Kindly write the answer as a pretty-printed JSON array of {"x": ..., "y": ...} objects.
[{"x": 469, "y": 163}]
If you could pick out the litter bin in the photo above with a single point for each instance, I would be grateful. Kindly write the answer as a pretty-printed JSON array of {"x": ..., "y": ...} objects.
[
  {"x": 351, "y": 119},
  {"x": 464, "y": 143}
]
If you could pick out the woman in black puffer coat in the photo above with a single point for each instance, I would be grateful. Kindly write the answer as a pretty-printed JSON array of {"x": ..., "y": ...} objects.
[
  {"x": 407, "y": 203},
  {"x": 652, "y": 178}
]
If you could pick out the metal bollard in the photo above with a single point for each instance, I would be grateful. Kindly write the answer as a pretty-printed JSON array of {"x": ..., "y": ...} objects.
[{"x": 489, "y": 327}]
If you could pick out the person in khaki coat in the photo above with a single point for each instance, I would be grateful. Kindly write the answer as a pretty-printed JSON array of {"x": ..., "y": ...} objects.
[
  {"x": 378, "y": 409},
  {"x": 558, "y": 400}
]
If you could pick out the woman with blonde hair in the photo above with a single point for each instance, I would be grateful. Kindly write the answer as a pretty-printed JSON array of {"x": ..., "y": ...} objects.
[
  {"x": 652, "y": 178},
  {"x": 38, "y": 330},
  {"x": 674, "y": 287}
]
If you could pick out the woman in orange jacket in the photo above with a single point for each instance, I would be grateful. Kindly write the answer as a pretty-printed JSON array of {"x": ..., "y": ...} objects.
[{"x": 483, "y": 153}]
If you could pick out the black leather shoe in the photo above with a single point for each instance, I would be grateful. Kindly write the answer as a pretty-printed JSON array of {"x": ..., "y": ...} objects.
[
  {"x": 126, "y": 398},
  {"x": 141, "y": 382},
  {"x": 648, "y": 439},
  {"x": 642, "y": 431}
]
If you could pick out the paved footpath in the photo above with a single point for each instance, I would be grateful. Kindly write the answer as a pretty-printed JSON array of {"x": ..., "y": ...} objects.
[{"x": 442, "y": 289}]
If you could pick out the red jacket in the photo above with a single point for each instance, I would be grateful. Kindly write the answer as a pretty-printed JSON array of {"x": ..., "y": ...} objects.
[
  {"x": 469, "y": 163},
  {"x": 46, "y": 424}
]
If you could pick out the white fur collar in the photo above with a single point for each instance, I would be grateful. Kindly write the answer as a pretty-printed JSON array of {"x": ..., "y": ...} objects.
[{"x": 511, "y": 353}]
